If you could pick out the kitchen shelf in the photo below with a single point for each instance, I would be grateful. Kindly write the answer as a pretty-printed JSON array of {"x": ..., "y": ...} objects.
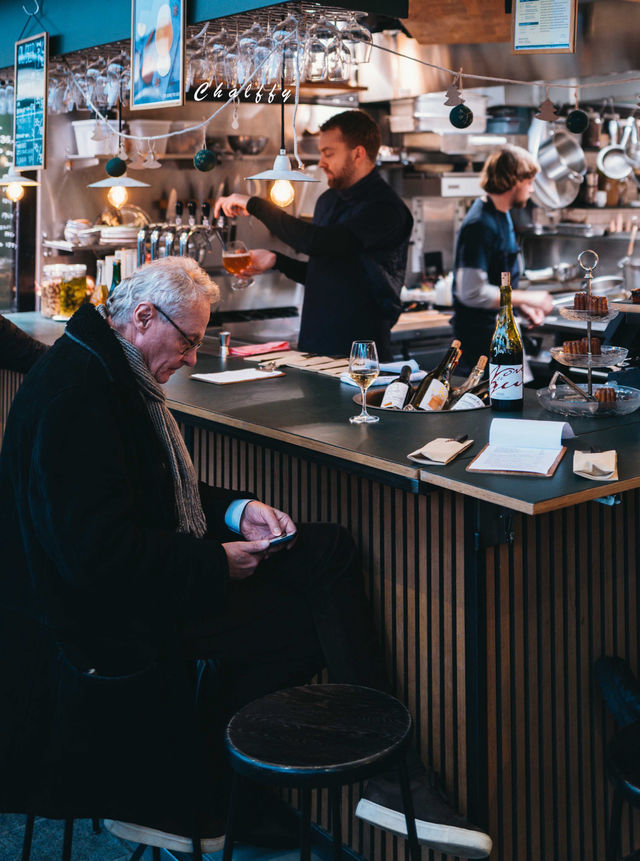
[{"x": 72, "y": 247}]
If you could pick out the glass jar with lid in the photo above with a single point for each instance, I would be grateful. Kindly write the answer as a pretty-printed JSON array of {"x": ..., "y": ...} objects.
[
  {"x": 49, "y": 289},
  {"x": 73, "y": 289}
]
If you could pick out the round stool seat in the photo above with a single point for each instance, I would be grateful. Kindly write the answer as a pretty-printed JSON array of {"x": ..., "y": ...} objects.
[
  {"x": 318, "y": 735},
  {"x": 623, "y": 762}
]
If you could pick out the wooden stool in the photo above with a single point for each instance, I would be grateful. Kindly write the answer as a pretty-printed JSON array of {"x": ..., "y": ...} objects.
[
  {"x": 320, "y": 736},
  {"x": 623, "y": 766}
]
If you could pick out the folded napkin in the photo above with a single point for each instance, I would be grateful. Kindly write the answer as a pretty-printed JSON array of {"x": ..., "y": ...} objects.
[
  {"x": 598, "y": 466},
  {"x": 256, "y": 349},
  {"x": 389, "y": 371},
  {"x": 439, "y": 451}
]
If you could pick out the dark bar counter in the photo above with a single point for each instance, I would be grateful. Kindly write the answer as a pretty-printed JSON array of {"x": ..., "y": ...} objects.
[{"x": 494, "y": 595}]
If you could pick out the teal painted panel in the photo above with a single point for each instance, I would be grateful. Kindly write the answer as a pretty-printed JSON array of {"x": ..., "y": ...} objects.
[{"x": 75, "y": 24}]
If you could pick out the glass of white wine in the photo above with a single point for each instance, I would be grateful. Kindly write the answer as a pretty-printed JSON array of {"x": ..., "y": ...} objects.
[{"x": 363, "y": 369}]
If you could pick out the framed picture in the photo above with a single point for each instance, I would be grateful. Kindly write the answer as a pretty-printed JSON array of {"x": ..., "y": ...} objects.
[
  {"x": 30, "y": 102},
  {"x": 157, "y": 53},
  {"x": 544, "y": 26}
]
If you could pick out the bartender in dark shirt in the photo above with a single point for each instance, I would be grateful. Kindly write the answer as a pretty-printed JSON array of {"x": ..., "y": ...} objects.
[
  {"x": 18, "y": 351},
  {"x": 357, "y": 244},
  {"x": 486, "y": 247}
]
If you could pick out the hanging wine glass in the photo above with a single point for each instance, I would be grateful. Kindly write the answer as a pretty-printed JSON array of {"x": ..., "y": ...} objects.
[
  {"x": 112, "y": 86},
  {"x": 54, "y": 97},
  {"x": 218, "y": 46},
  {"x": 285, "y": 30},
  {"x": 324, "y": 31},
  {"x": 338, "y": 61},
  {"x": 247, "y": 42},
  {"x": 357, "y": 38},
  {"x": 315, "y": 59},
  {"x": 265, "y": 52},
  {"x": 230, "y": 65},
  {"x": 151, "y": 162}
]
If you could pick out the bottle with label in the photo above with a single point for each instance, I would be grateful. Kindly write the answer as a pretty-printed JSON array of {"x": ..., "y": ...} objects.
[
  {"x": 433, "y": 391},
  {"x": 398, "y": 392},
  {"x": 115, "y": 276},
  {"x": 472, "y": 380},
  {"x": 506, "y": 356},
  {"x": 474, "y": 398}
]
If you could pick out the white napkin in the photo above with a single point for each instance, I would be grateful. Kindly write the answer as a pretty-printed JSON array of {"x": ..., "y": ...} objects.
[
  {"x": 389, "y": 371},
  {"x": 439, "y": 451},
  {"x": 598, "y": 466}
]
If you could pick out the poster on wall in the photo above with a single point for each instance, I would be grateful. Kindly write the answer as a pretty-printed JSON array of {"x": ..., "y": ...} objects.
[
  {"x": 157, "y": 52},
  {"x": 30, "y": 102},
  {"x": 544, "y": 26}
]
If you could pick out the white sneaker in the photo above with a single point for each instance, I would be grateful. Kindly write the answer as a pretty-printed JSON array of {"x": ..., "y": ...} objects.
[
  {"x": 164, "y": 839},
  {"x": 437, "y": 824}
]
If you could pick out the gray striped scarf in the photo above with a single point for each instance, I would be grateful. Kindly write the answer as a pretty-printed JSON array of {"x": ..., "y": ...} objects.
[{"x": 191, "y": 517}]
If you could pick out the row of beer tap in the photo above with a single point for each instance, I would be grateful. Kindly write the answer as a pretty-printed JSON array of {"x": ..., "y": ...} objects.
[{"x": 189, "y": 239}]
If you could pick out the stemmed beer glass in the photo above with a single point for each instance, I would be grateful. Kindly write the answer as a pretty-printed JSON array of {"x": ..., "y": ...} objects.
[
  {"x": 363, "y": 369},
  {"x": 235, "y": 258}
]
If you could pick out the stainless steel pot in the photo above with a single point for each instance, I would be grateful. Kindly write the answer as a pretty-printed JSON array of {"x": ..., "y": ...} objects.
[
  {"x": 612, "y": 161},
  {"x": 561, "y": 157},
  {"x": 630, "y": 272}
]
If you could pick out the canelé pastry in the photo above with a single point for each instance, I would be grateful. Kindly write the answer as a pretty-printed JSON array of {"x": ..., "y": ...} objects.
[
  {"x": 581, "y": 347},
  {"x": 605, "y": 395},
  {"x": 595, "y": 304}
]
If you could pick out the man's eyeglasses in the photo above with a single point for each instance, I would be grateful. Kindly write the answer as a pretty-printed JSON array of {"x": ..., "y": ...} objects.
[{"x": 193, "y": 345}]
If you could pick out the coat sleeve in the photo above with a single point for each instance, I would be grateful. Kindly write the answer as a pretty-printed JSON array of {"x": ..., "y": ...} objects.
[
  {"x": 18, "y": 351},
  {"x": 95, "y": 522}
]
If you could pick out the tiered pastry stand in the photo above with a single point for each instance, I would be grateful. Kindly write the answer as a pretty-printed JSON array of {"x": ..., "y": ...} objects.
[{"x": 567, "y": 398}]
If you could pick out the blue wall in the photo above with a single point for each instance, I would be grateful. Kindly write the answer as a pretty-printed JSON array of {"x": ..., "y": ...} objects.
[{"x": 74, "y": 24}]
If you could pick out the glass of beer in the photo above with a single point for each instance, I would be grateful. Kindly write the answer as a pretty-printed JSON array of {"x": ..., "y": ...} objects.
[
  {"x": 363, "y": 369},
  {"x": 236, "y": 257}
]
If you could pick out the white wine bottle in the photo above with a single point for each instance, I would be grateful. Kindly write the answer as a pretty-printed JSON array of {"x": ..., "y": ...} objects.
[
  {"x": 506, "y": 356},
  {"x": 398, "y": 392},
  {"x": 421, "y": 391},
  {"x": 472, "y": 380},
  {"x": 437, "y": 392}
]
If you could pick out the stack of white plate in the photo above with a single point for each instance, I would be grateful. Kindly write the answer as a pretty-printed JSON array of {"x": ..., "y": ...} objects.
[{"x": 119, "y": 235}]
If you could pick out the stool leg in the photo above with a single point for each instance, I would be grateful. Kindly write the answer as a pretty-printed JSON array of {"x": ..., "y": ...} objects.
[
  {"x": 336, "y": 821},
  {"x": 28, "y": 837},
  {"x": 305, "y": 825},
  {"x": 95, "y": 824},
  {"x": 227, "y": 852},
  {"x": 68, "y": 840},
  {"x": 137, "y": 855},
  {"x": 613, "y": 837},
  {"x": 156, "y": 855},
  {"x": 409, "y": 815},
  {"x": 196, "y": 843}
]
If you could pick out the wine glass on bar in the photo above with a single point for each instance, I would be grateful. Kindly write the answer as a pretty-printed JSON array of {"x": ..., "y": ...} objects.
[
  {"x": 363, "y": 369},
  {"x": 235, "y": 258}
]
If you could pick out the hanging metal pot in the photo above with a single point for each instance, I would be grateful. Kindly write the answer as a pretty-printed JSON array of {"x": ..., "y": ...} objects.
[
  {"x": 561, "y": 157},
  {"x": 612, "y": 161}
]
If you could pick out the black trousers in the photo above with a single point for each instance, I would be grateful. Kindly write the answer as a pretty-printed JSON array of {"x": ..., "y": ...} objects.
[{"x": 302, "y": 610}]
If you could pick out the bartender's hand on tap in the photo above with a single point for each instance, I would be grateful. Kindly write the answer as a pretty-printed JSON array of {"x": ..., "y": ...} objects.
[{"x": 234, "y": 204}]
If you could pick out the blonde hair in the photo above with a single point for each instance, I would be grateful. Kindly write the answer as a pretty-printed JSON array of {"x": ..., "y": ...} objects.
[
  {"x": 505, "y": 167},
  {"x": 171, "y": 283}
]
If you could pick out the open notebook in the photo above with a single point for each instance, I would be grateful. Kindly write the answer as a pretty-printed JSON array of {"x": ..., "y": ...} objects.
[{"x": 523, "y": 447}]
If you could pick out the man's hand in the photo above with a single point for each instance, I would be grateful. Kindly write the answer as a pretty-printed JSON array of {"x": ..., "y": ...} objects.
[
  {"x": 535, "y": 304},
  {"x": 243, "y": 557},
  {"x": 261, "y": 260},
  {"x": 260, "y": 521},
  {"x": 234, "y": 204}
]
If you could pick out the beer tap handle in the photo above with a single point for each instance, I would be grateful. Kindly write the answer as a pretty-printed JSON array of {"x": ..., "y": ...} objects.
[
  {"x": 191, "y": 206},
  {"x": 179, "y": 210},
  {"x": 205, "y": 211}
]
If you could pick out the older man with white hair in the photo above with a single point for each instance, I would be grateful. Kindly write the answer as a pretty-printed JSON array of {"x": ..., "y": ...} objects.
[{"x": 140, "y": 608}]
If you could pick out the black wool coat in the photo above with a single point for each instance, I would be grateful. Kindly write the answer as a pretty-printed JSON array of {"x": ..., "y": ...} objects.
[{"x": 97, "y": 710}]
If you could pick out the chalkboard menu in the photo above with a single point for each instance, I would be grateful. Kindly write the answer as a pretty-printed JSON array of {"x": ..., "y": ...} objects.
[
  {"x": 7, "y": 234},
  {"x": 30, "y": 114}
]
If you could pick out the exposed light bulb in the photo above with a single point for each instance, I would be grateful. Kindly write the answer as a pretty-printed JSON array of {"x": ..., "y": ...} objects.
[
  {"x": 117, "y": 195},
  {"x": 15, "y": 191},
  {"x": 282, "y": 192}
]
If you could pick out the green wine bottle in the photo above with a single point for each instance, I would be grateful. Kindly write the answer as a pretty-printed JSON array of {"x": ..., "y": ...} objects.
[
  {"x": 506, "y": 356},
  {"x": 115, "y": 276}
]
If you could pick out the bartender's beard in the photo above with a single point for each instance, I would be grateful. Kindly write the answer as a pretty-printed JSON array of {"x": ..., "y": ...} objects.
[{"x": 341, "y": 178}]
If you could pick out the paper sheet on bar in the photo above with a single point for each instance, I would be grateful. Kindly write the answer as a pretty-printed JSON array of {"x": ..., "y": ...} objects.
[
  {"x": 521, "y": 445},
  {"x": 244, "y": 375}
]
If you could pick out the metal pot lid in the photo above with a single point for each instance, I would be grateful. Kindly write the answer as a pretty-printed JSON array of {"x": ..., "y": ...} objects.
[
  {"x": 613, "y": 163},
  {"x": 554, "y": 195}
]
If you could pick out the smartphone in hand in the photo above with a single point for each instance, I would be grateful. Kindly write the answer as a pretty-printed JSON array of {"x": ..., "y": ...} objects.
[{"x": 282, "y": 539}]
